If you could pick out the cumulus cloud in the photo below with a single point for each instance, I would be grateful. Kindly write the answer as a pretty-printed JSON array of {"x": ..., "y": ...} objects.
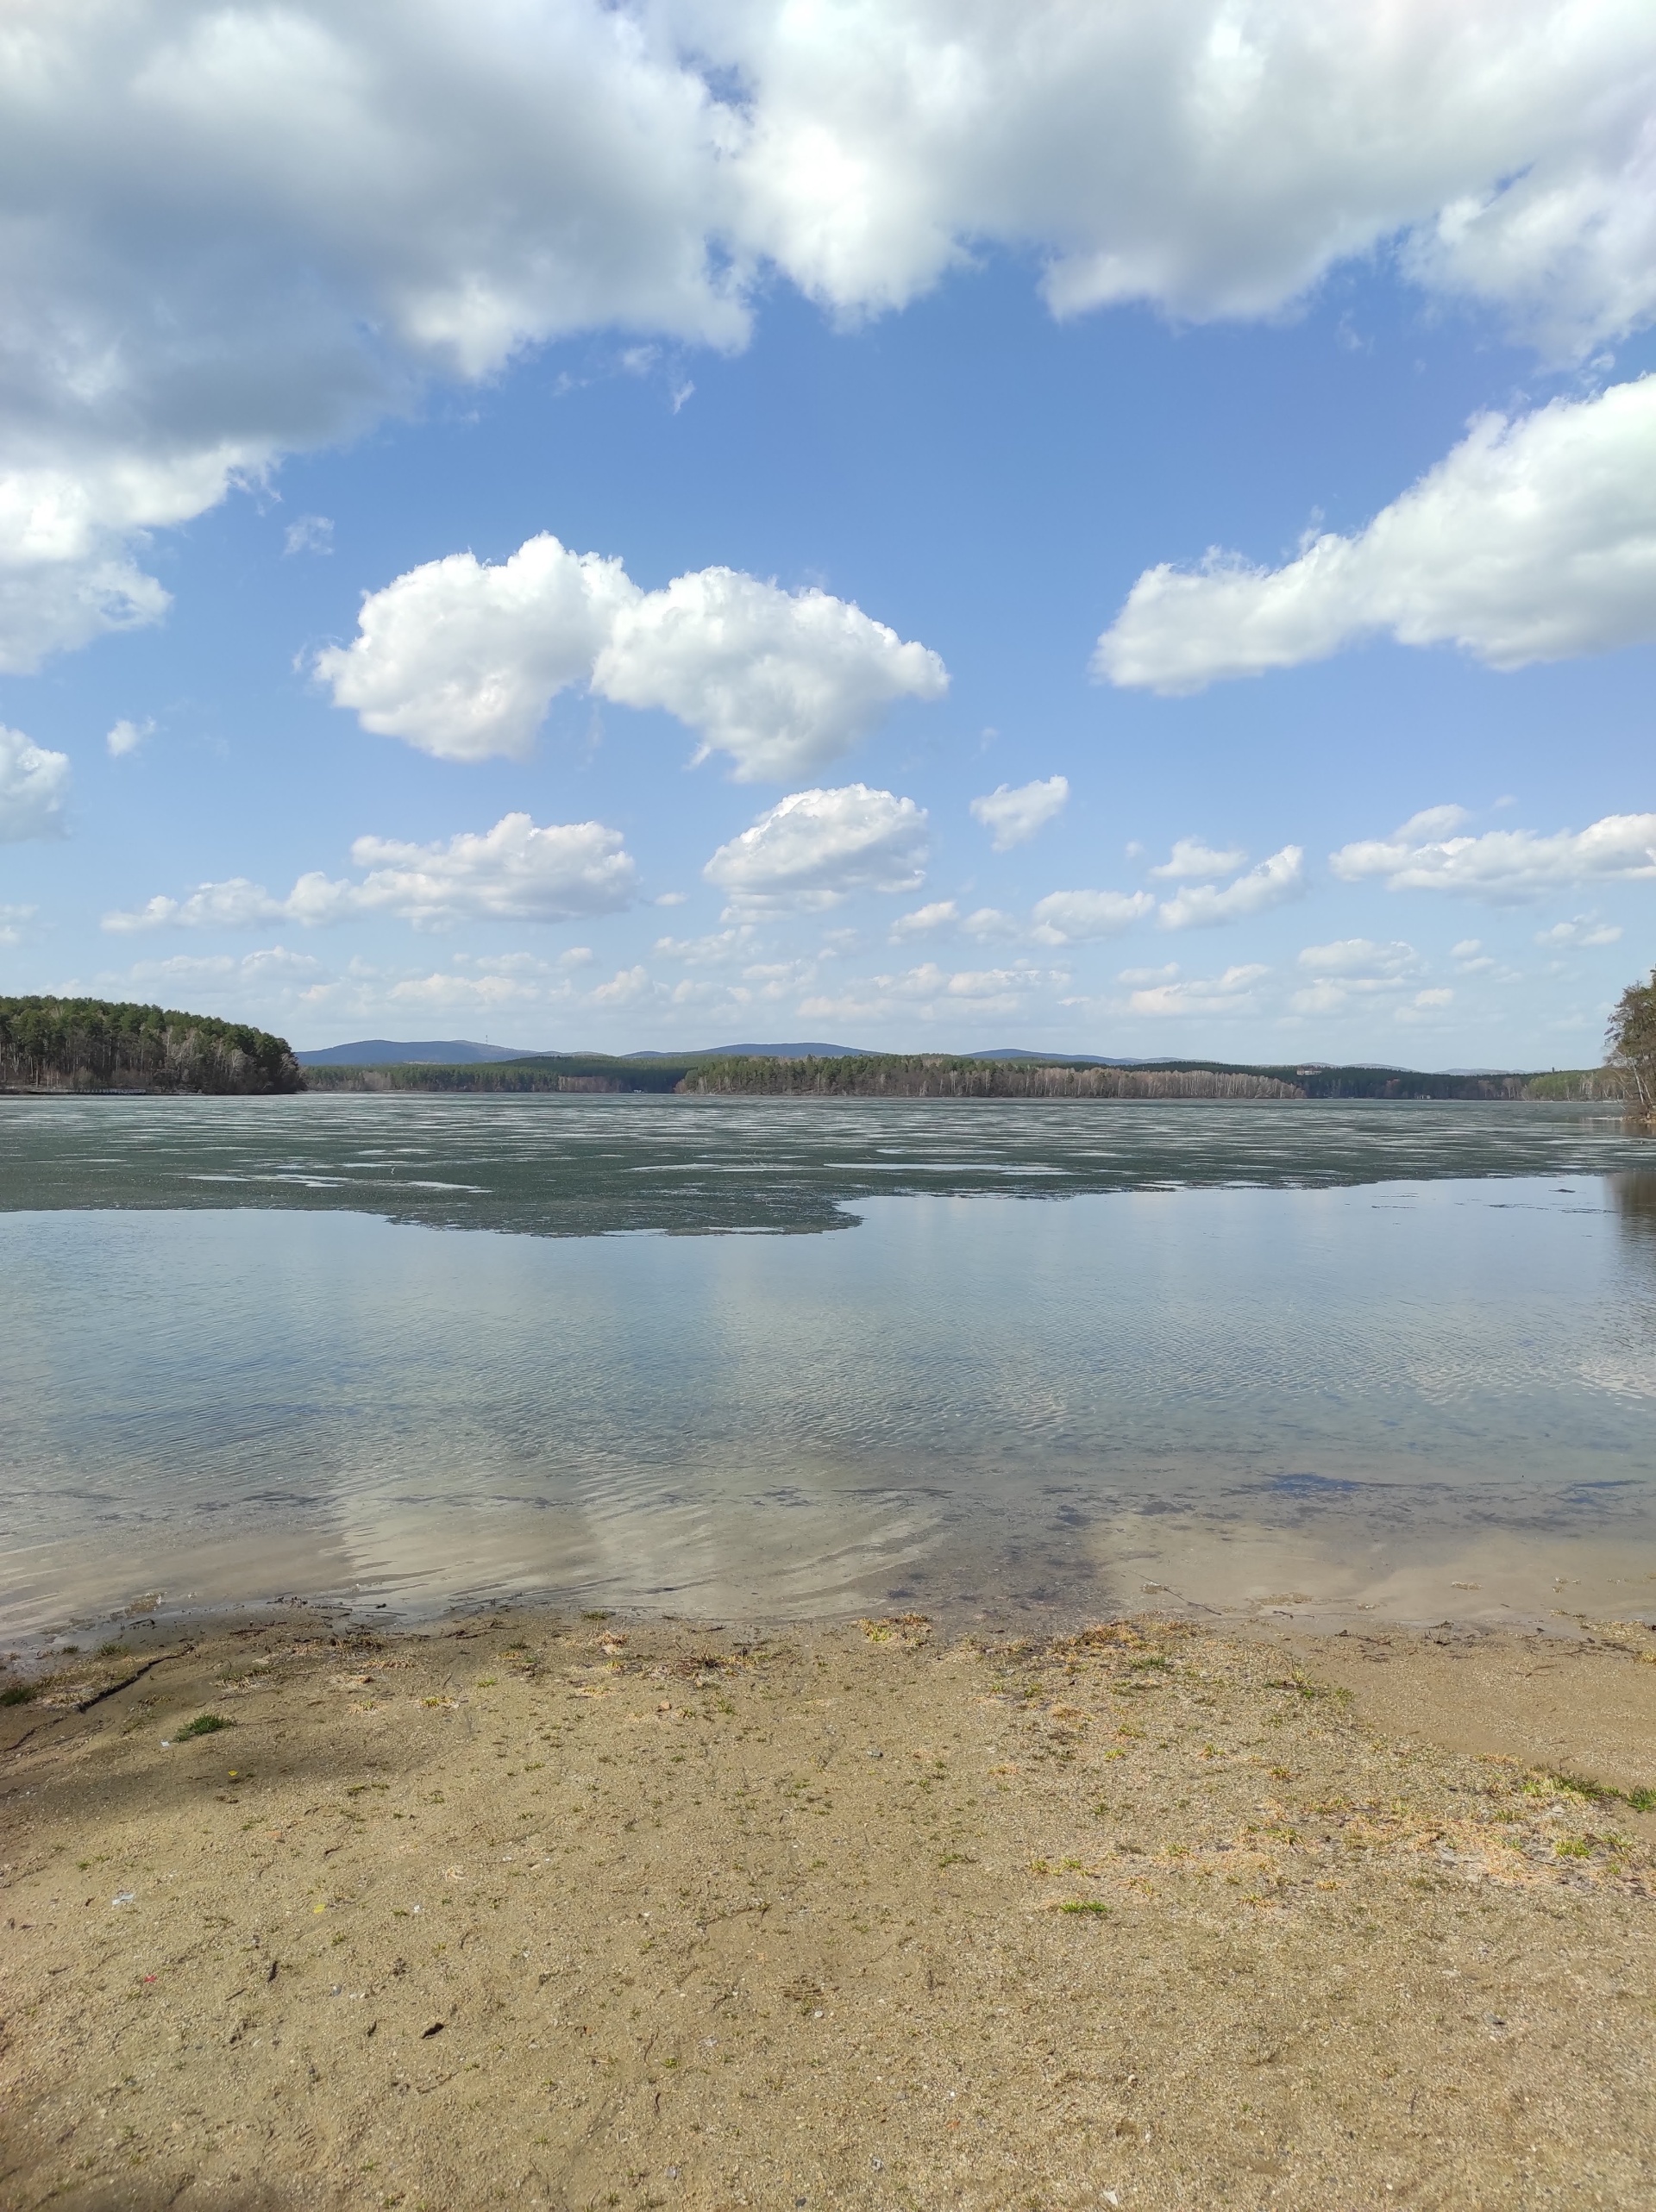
[
  {"x": 1074, "y": 916},
  {"x": 1079, "y": 916},
  {"x": 1207, "y": 905},
  {"x": 1232, "y": 993},
  {"x": 241, "y": 232},
  {"x": 1354, "y": 968},
  {"x": 34, "y": 785},
  {"x": 66, "y": 573},
  {"x": 1584, "y": 930},
  {"x": 512, "y": 873},
  {"x": 1505, "y": 867},
  {"x": 944, "y": 914},
  {"x": 503, "y": 991},
  {"x": 719, "y": 950},
  {"x": 813, "y": 849},
  {"x": 1533, "y": 540},
  {"x": 1192, "y": 861},
  {"x": 463, "y": 658},
  {"x": 127, "y": 736},
  {"x": 1015, "y": 816},
  {"x": 271, "y": 963},
  {"x": 926, "y": 921},
  {"x": 1211, "y": 160},
  {"x": 782, "y": 682},
  {"x": 1354, "y": 959},
  {"x": 929, "y": 991},
  {"x": 14, "y": 923}
]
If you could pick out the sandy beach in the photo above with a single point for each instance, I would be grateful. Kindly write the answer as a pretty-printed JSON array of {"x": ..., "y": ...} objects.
[{"x": 586, "y": 1913}]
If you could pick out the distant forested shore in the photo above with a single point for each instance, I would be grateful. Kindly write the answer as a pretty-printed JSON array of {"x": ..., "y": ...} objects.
[
  {"x": 97, "y": 1044},
  {"x": 944, "y": 1075},
  {"x": 88, "y": 1045}
]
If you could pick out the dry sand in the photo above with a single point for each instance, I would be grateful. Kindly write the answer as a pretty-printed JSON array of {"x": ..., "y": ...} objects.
[{"x": 592, "y": 1913}]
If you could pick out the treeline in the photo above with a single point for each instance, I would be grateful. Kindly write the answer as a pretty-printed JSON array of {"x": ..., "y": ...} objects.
[
  {"x": 1583, "y": 1083},
  {"x": 914, "y": 1075},
  {"x": 930, "y": 1075},
  {"x": 571, "y": 1072},
  {"x": 95, "y": 1045},
  {"x": 941, "y": 1075}
]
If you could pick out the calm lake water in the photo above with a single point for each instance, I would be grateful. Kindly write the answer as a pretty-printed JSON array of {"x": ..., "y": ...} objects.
[{"x": 996, "y": 1360}]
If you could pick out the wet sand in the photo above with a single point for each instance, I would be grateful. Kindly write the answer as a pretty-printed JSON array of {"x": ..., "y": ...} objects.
[{"x": 600, "y": 1912}]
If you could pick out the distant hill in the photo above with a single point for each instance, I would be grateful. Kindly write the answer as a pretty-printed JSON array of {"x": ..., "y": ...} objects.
[
  {"x": 382, "y": 1052},
  {"x": 459, "y": 1052},
  {"x": 780, "y": 1070},
  {"x": 759, "y": 1052},
  {"x": 1069, "y": 1059}
]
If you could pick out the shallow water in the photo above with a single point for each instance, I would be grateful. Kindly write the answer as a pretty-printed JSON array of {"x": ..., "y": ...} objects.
[{"x": 1335, "y": 1359}]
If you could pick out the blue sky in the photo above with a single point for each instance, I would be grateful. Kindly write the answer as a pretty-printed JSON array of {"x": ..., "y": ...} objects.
[{"x": 1144, "y": 572}]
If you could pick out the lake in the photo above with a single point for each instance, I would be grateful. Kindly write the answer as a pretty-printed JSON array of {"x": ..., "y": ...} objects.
[{"x": 1001, "y": 1362}]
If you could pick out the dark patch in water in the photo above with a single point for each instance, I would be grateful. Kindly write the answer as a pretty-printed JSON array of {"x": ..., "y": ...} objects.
[{"x": 1314, "y": 1486}]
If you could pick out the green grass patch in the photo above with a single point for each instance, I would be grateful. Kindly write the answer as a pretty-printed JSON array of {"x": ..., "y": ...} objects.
[
  {"x": 1093, "y": 1905},
  {"x": 19, "y": 1693},
  {"x": 204, "y": 1724}
]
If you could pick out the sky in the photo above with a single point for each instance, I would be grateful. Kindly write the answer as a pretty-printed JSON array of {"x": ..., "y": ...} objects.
[{"x": 1105, "y": 526}]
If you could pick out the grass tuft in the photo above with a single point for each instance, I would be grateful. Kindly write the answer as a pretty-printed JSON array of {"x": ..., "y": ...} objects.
[{"x": 204, "y": 1724}]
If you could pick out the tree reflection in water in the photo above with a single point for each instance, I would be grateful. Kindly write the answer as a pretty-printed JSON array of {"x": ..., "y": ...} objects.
[{"x": 1634, "y": 1197}]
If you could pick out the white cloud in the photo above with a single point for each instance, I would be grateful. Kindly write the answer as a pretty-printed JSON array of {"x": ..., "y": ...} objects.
[
  {"x": 626, "y": 988},
  {"x": 1016, "y": 816},
  {"x": 983, "y": 922},
  {"x": 34, "y": 785},
  {"x": 501, "y": 990},
  {"x": 782, "y": 682},
  {"x": 1204, "y": 905},
  {"x": 239, "y": 232},
  {"x": 463, "y": 658},
  {"x": 512, "y": 873},
  {"x": 925, "y": 921},
  {"x": 1586, "y": 929},
  {"x": 989, "y": 922},
  {"x": 65, "y": 573},
  {"x": 310, "y": 534},
  {"x": 14, "y": 923},
  {"x": 1192, "y": 860},
  {"x": 1078, "y": 917},
  {"x": 813, "y": 849},
  {"x": 270, "y": 964},
  {"x": 1354, "y": 968},
  {"x": 1210, "y": 159},
  {"x": 1232, "y": 993},
  {"x": 929, "y": 991},
  {"x": 1533, "y": 540},
  {"x": 1505, "y": 867},
  {"x": 719, "y": 949},
  {"x": 127, "y": 736},
  {"x": 1360, "y": 959}
]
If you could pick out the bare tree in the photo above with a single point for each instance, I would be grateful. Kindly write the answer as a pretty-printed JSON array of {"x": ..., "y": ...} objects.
[{"x": 1630, "y": 1047}]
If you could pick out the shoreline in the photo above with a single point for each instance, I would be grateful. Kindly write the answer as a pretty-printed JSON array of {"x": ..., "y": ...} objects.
[{"x": 602, "y": 1911}]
